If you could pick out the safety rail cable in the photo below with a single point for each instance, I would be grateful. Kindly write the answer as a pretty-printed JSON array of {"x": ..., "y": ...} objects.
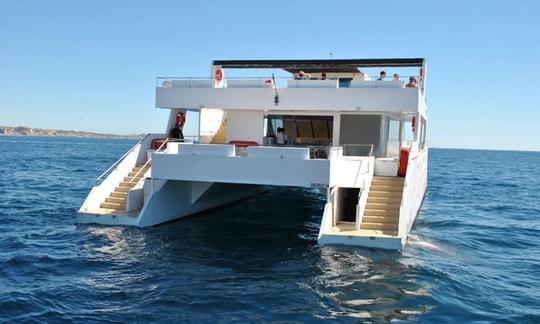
[
  {"x": 360, "y": 167},
  {"x": 121, "y": 158},
  {"x": 146, "y": 163},
  {"x": 260, "y": 78},
  {"x": 166, "y": 82}
]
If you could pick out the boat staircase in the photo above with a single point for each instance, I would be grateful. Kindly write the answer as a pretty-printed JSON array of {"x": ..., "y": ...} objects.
[
  {"x": 118, "y": 198},
  {"x": 382, "y": 209},
  {"x": 221, "y": 135}
]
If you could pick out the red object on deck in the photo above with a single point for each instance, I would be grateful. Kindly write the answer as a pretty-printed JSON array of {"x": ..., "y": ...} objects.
[
  {"x": 156, "y": 143},
  {"x": 403, "y": 161},
  {"x": 244, "y": 143}
]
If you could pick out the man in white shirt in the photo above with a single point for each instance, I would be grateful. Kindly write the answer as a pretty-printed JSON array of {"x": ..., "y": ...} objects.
[{"x": 281, "y": 137}]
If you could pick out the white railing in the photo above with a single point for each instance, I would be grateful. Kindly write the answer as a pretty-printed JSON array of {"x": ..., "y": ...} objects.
[
  {"x": 148, "y": 161},
  {"x": 278, "y": 82},
  {"x": 120, "y": 159},
  {"x": 413, "y": 189},
  {"x": 364, "y": 192}
]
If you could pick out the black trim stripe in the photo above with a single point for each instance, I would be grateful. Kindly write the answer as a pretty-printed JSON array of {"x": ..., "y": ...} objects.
[{"x": 331, "y": 64}]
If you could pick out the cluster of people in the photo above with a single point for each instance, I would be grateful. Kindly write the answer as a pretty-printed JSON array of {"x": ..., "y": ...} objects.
[
  {"x": 412, "y": 80},
  {"x": 301, "y": 75}
]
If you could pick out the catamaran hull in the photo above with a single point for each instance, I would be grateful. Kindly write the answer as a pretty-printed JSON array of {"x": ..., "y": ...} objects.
[{"x": 168, "y": 200}]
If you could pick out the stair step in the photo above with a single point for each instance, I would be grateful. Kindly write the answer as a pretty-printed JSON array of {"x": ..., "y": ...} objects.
[
  {"x": 116, "y": 206},
  {"x": 383, "y": 206},
  {"x": 380, "y": 219},
  {"x": 389, "y": 178},
  {"x": 386, "y": 188},
  {"x": 128, "y": 184},
  {"x": 382, "y": 200},
  {"x": 379, "y": 226},
  {"x": 381, "y": 212},
  {"x": 137, "y": 173},
  {"x": 118, "y": 194},
  {"x": 116, "y": 200},
  {"x": 132, "y": 179},
  {"x": 121, "y": 189},
  {"x": 392, "y": 183},
  {"x": 137, "y": 168},
  {"x": 387, "y": 194}
]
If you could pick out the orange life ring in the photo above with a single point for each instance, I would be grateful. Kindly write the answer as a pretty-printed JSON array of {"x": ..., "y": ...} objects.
[{"x": 219, "y": 75}]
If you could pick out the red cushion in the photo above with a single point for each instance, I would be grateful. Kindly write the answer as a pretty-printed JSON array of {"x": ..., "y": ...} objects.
[{"x": 244, "y": 143}]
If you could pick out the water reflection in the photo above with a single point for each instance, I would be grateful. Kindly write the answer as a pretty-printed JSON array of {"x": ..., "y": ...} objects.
[
  {"x": 363, "y": 283},
  {"x": 253, "y": 255}
]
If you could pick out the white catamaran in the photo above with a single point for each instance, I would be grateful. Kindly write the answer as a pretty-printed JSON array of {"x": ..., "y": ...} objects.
[{"x": 329, "y": 126}]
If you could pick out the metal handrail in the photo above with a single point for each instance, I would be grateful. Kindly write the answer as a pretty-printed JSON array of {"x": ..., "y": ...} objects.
[
  {"x": 150, "y": 159},
  {"x": 403, "y": 78},
  {"x": 121, "y": 158},
  {"x": 420, "y": 153}
]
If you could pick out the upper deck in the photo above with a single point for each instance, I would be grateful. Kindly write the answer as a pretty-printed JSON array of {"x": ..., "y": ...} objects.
[{"x": 331, "y": 85}]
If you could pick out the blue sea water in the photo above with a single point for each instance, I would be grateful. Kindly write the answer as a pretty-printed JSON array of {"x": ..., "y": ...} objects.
[{"x": 473, "y": 254}]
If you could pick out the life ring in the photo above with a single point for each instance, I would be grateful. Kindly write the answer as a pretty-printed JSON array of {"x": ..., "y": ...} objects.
[{"x": 219, "y": 75}]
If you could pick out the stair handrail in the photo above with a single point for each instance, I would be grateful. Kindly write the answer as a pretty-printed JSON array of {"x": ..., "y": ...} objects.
[
  {"x": 148, "y": 161},
  {"x": 121, "y": 158}
]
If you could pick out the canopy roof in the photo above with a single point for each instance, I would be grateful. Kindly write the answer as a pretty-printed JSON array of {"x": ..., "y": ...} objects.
[{"x": 328, "y": 65}]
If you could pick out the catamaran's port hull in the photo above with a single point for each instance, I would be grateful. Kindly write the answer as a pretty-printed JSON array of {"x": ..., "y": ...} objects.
[{"x": 171, "y": 200}]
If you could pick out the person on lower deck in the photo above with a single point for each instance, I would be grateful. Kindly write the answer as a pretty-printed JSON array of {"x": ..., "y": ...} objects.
[
  {"x": 176, "y": 133},
  {"x": 281, "y": 137}
]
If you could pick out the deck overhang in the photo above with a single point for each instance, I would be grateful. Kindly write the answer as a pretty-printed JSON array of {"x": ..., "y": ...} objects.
[
  {"x": 218, "y": 163},
  {"x": 308, "y": 99}
]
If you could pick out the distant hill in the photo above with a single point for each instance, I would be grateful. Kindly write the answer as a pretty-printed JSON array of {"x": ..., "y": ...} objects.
[{"x": 25, "y": 130}]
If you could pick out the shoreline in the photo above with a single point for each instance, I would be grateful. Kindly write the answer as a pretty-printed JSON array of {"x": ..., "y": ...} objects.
[{"x": 39, "y": 132}]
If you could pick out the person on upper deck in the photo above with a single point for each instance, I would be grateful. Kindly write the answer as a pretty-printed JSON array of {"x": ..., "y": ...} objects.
[
  {"x": 396, "y": 77},
  {"x": 301, "y": 75},
  {"x": 382, "y": 75},
  {"x": 281, "y": 137},
  {"x": 323, "y": 76},
  {"x": 412, "y": 82}
]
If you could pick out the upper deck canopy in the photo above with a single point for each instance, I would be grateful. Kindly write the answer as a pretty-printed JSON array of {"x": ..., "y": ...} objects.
[{"x": 328, "y": 65}]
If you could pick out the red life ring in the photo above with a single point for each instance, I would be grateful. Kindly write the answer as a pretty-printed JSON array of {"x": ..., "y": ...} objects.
[{"x": 219, "y": 75}]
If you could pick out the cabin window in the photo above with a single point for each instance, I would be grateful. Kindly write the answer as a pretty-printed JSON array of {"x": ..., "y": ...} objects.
[
  {"x": 392, "y": 146},
  {"x": 302, "y": 130},
  {"x": 345, "y": 82}
]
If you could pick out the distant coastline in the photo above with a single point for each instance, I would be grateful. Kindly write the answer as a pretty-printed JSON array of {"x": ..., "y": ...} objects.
[{"x": 30, "y": 131}]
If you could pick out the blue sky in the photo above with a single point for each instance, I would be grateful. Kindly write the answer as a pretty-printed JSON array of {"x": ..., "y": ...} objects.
[{"x": 91, "y": 65}]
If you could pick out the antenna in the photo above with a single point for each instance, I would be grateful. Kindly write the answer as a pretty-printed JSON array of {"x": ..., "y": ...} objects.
[{"x": 276, "y": 98}]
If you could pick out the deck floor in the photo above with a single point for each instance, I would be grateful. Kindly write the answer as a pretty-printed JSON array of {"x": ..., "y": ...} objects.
[{"x": 350, "y": 229}]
